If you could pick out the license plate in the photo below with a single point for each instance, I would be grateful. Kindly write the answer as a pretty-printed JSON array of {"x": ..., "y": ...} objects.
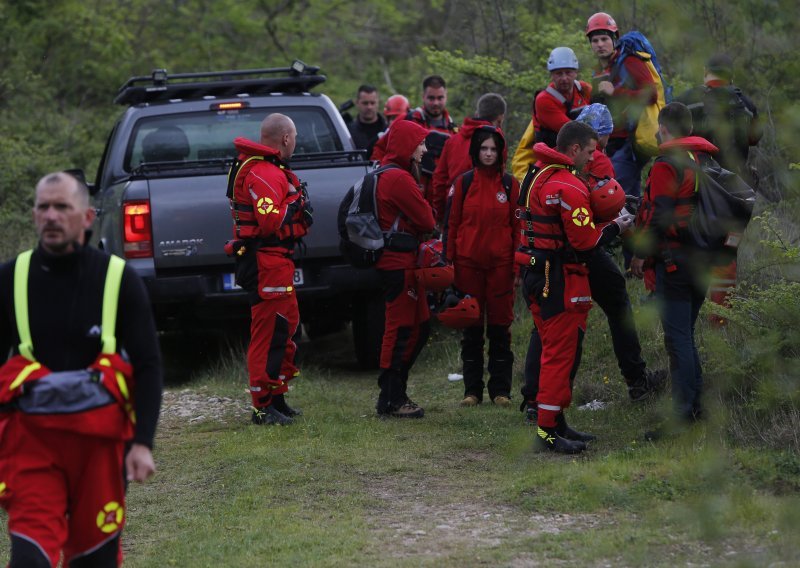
[{"x": 229, "y": 280}]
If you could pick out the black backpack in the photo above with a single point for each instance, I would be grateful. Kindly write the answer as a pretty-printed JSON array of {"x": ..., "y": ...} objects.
[
  {"x": 723, "y": 205},
  {"x": 361, "y": 239},
  {"x": 722, "y": 116}
]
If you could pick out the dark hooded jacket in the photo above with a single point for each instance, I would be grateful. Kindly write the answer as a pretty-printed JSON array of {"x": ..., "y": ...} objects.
[
  {"x": 481, "y": 225},
  {"x": 399, "y": 194}
]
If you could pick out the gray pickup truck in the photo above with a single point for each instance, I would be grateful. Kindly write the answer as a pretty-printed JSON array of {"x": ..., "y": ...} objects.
[{"x": 160, "y": 196}]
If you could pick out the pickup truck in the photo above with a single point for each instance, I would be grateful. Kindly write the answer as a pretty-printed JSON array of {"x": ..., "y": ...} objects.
[{"x": 160, "y": 197}]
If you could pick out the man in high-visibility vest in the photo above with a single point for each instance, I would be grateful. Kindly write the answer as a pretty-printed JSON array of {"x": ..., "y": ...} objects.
[{"x": 81, "y": 391}]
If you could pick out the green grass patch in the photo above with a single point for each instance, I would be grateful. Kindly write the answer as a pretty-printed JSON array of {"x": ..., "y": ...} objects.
[{"x": 461, "y": 487}]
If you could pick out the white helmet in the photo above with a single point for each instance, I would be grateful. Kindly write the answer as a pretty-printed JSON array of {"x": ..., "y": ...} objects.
[{"x": 562, "y": 58}]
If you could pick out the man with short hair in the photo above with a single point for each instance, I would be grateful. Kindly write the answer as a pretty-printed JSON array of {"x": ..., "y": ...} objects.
[
  {"x": 681, "y": 271},
  {"x": 80, "y": 391},
  {"x": 271, "y": 213},
  {"x": 559, "y": 234},
  {"x": 433, "y": 116},
  {"x": 490, "y": 110},
  {"x": 369, "y": 122},
  {"x": 607, "y": 284}
]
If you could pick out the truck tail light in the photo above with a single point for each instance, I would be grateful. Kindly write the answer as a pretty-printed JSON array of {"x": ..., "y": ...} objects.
[{"x": 137, "y": 229}]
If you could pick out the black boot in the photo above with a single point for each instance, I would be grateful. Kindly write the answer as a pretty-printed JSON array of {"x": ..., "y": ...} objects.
[
  {"x": 649, "y": 384},
  {"x": 548, "y": 439},
  {"x": 392, "y": 395},
  {"x": 279, "y": 402},
  {"x": 568, "y": 433},
  {"x": 501, "y": 362},
  {"x": 268, "y": 416},
  {"x": 472, "y": 359}
]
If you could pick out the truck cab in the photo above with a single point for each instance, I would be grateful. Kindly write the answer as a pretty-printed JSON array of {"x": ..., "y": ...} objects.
[{"x": 160, "y": 194}]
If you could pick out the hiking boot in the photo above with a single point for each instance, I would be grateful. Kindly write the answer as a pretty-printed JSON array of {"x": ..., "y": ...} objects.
[
  {"x": 279, "y": 403},
  {"x": 548, "y": 439},
  {"x": 650, "y": 383},
  {"x": 470, "y": 400},
  {"x": 268, "y": 415},
  {"x": 409, "y": 410},
  {"x": 502, "y": 400},
  {"x": 568, "y": 433}
]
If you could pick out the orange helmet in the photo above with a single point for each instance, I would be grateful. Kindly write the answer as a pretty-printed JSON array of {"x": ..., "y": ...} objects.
[
  {"x": 435, "y": 278},
  {"x": 607, "y": 199},
  {"x": 459, "y": 313},
  {"x": 602, "y": 22},
  {"x": 396, "y": 105}
]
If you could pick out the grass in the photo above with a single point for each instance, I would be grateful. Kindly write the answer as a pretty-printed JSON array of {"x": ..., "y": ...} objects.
[{"x": 462, "y": 487}]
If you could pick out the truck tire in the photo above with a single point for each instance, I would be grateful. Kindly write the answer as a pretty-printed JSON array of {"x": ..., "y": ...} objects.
[{"x": 368, "y": 319}]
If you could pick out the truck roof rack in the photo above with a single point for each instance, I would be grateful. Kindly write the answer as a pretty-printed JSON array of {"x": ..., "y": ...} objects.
[{"x": 159, "y": 86}]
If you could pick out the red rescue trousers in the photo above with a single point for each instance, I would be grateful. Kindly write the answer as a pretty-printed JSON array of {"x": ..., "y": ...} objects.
[
  {"x": 62, "y": 490},
  {"x": 493, "y": 287},
  {"x": 722, "y": 286},
  {"x": 562, "y": 336},
  {"x": 407, "y": 313},
  {"x": 561, "y": 320},
  {"x": 270, "y": 356}
]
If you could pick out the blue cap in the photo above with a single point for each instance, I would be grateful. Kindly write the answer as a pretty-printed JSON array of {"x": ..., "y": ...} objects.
[{"x": 598, "y": 117}]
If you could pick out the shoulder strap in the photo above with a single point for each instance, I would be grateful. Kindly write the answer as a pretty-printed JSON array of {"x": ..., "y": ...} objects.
[
  {"x": 21, "y": 269},
  {"x": 556, "y": 95},
  {"x": 466, "y": 181},
  {"x": 507, "y": 182},
  {"x": 234, "y": 173},
  {"x": 108, "y": 325}
]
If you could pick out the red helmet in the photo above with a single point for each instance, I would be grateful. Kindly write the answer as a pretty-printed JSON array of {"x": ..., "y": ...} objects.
[
  {"x": 465, "y": 313},
  {"x": 396, "y": 105},
  {"x": 435, "y": 278},
  {"x": 601, "y": 22},
  {"x": 431, "y": 253},
  {"x": 607, "y": 199}
]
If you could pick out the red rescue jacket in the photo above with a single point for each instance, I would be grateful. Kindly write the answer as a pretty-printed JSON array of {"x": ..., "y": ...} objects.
[
  {"x": 560, "y": 207},
  {"x": 267, "y": 199},
  {"x": 454, "y": 161},
  {"x": 482, "y": 225},
  {"x": 551, "y": 110},
  {"x": 668, "y": 201},
  {"x": 398, "y": 193}
]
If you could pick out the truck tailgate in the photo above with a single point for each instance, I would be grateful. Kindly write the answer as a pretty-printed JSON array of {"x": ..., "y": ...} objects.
[{"x": 191, "y": 221}]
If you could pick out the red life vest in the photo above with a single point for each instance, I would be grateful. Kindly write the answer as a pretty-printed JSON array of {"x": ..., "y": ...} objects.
[{"x": 96, "y": 401}]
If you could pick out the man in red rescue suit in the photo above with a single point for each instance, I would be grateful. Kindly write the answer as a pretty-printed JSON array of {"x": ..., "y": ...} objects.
[
  {"x": 561, "y": 101},
  {"x": 433, "y": 116},
  {"x": 681, "y": 271},
  {"x": 271, "y": 212},
  {"x": 480, "y": 237},
  {"x": 407, "y": 326},
  {"x": 558, "y": 235},
  {"x": 456, "y": 158},
  {"x": 620, "y": 89},
  {"x": 80, "y": 392}
]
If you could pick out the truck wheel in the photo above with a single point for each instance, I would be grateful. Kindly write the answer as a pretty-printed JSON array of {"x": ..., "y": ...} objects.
[
  {"x": 322, "y": 327},
  {"x": 368, "y": 318}
]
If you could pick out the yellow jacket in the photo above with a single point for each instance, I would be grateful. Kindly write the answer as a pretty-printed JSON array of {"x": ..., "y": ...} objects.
[{"x": 524, "y": 155}]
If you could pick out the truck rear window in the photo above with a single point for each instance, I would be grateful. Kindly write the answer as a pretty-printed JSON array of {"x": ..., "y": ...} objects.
[{"x": 209, "y": 135}]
